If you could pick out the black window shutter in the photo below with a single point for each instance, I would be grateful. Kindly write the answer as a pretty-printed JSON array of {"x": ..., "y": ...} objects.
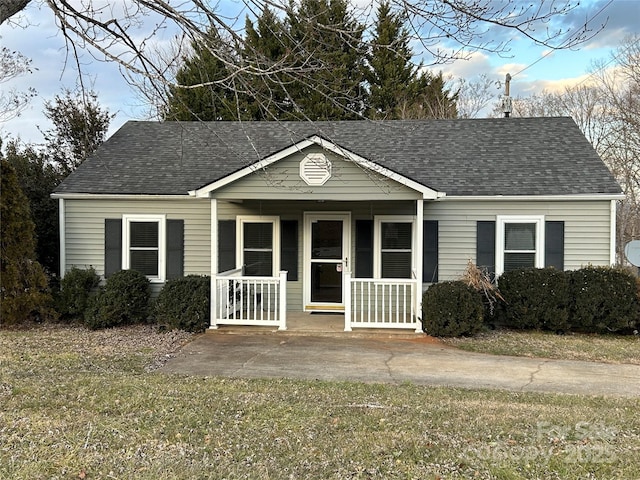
[
  {"x": 226, "y": 245},
  {"x": 175, "y": 248},
  {"x": 486, "y": 246},
  {"x": 112, "y": 246},
  {"x": 430, "y": 251},
  {"x": 289, "y": 248},
  {"x": 364, "y": 249},
  {"x": 554, "y": 245}
]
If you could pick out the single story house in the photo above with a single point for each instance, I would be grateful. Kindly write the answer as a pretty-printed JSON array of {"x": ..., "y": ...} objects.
[{"x": 352, "y": 216}]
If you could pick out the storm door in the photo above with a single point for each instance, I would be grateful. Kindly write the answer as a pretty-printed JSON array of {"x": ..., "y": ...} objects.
[{"x": 326, "y": 259}]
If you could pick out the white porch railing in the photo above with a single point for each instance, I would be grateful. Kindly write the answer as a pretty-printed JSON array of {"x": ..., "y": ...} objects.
[
  {"x": 243, "y": 300},
  {"x": 381, "y": 303}
]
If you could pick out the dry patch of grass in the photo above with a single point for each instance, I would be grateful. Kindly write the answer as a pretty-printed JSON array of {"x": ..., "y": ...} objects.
[
  {"x": 593, "y": 348},
  {"x": 82, "y": 404}
]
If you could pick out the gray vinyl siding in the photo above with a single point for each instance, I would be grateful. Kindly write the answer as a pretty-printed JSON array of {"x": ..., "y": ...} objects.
[
  {"x": 348, "y": 181},
  {"x": 587, "y": 229},
  {"x": 84, "y": 227}
]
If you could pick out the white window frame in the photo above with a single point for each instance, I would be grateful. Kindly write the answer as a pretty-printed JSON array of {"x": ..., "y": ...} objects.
[
  {"x": 501, "y": 221},
  {"x": 377, "y": 241},
  {"x": 161, "y": 220},
  {"x": 275, "y": 222}
]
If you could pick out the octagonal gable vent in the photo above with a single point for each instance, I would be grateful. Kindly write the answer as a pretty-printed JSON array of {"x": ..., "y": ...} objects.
[{"x": 315, "y": 169}]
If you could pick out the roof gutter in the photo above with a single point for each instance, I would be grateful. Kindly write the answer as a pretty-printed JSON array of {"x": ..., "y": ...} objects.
[
  {"x": 537, "y": 198},
  {"x": 118, "y": 196}
]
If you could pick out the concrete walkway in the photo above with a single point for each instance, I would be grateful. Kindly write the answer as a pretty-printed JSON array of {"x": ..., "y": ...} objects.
[{"x": 398, "y": 359}]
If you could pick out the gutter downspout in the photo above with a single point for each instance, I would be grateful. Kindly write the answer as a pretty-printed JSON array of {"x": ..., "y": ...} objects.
[
  {"x": 612, "y": 244},
  {"x": 62, "y": 231}
]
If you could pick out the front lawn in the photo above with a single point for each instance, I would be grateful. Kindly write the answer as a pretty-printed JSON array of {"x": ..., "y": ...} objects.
[
  {"x": 573, "y": 346},
  {"x": 79, "y": 404}
]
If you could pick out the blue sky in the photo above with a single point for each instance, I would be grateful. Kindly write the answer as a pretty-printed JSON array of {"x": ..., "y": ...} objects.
[{"x": 38, "y": 38}]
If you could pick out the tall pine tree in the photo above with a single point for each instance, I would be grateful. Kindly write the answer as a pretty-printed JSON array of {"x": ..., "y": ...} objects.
[
  {"x": 389, "y": 64},
  {"x": 398, "y": 88},
  {"x": 327, "y": 41},
  {"x": 202, "y": 90},
  {"x": 266, "y": 50}
]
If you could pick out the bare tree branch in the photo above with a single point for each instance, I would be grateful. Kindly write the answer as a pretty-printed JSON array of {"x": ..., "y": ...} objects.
[{"x": 113, "y": 31}]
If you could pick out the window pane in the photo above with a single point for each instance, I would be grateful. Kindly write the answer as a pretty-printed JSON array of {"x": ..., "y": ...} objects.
[
  {"x": 396, "y": 264},
  {"x": 520, "y": 236},
  {"x": 145, "y": 262},
  {"x": 258, "y": 263},
  {"x": 258, "y": 235},
  {"x": 396, "y": 236},
  {"x": 326, "y": 239},
  {"x": 144, "y": 234},
  {"x": 519, "y": 260}
]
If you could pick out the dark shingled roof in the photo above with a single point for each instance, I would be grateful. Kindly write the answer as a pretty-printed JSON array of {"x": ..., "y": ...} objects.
[{"x": 503, "y": 156}]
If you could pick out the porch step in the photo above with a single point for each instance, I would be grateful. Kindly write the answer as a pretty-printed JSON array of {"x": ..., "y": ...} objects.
[{"x": 306, "y": 324}]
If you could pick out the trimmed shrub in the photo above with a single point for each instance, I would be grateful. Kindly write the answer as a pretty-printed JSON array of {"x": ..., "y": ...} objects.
[
  {"x": 124, "y": 300},
  {"x": 75, "y": 289},
  {"x": 184, "y": 303},
  {"x": 452, "y": 309},
  {"x": 605, "y": 300},
  {"x": 535, "y": 298}
]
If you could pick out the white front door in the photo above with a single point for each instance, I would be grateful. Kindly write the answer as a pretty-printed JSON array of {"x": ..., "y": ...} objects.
[{"x": 327, "y": 247}]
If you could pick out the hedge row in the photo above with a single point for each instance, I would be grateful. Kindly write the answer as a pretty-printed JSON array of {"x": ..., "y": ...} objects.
[
  {"x": 589, "y": 300},
  {"x": 125, "y": 299}
]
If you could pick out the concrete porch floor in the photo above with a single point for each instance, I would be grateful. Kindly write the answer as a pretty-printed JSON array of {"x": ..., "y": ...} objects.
[{"x": 326, "y": 325}]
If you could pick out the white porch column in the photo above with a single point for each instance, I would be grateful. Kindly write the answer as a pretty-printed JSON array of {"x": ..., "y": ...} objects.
[
  {"x": 214, "y": 264},
  {"x": 283, "y": 301},
  {"x": 347, "y": 301},
  {"x": 417, "y": 298}
]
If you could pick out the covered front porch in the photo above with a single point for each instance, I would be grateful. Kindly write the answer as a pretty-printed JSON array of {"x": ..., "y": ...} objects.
[
  {"x": 241, "y": 300},
  {"x": 317, "y": 229}
]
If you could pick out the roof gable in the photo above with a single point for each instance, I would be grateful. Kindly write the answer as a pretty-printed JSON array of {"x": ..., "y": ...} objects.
[
  {"x": 462, "y": 157},
  {"x": 425, "y": 192}
]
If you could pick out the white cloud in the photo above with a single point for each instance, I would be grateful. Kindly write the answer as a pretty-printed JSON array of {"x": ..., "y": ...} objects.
[{"x": 477, "y": 63}]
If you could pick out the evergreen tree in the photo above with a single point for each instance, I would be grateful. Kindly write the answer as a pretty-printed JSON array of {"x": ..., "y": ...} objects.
[
  {"x": 390, "y": 71},
  {"x": 266, "y": 50},
  {"x": 427, "y": 97},
  {"x": 23, "y": 285},
  {"x": 38, "y": 179},
  {"x": 326, "y": 40},
  {"x": 203, "y": 90},
  {"x": 398, "y": 88}
]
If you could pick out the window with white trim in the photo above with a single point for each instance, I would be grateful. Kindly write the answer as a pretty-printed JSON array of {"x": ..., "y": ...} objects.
[
  {"x": 519, "y": 243},
  {"x": 144, "y": 249},
  {"x": 394, "y": 247},
  {"x": 259, "y": 245}
]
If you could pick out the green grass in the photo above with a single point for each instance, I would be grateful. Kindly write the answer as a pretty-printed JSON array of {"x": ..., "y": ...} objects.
[
  {"x": 82, "y": 404},
  {"x": 594, "y": 348}
]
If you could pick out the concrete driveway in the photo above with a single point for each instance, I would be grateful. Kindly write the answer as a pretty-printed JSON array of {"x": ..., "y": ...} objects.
[{"x": 395, "y": 360}]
